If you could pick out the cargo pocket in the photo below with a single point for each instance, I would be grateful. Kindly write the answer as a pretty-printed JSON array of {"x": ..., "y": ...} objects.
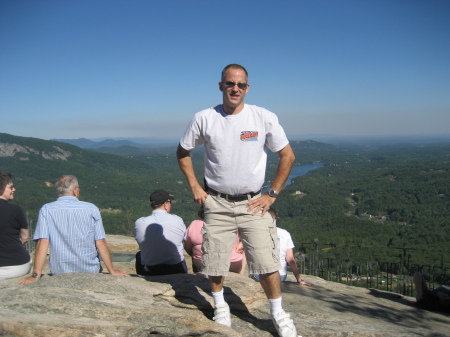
[
  {"x": 205, "y": 243},
  {"x": 274, "y": 240}
]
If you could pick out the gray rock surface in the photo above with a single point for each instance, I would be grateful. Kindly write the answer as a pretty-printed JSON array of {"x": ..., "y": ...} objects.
[{"x": 181, "y": 305}]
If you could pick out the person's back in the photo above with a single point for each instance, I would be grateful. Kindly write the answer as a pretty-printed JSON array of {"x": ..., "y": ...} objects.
[
  {"x": 12, "y": 251},
  {"x": 160, "y": 238},
  {"x": 15, "y": 260},
  {"x": 194, "y": 241},
  {"x": 284, "y": 243},
  {"x": 72, "y": 227},
  {"x": 193, "y": 246},
  {"x": 73, "y": 230}
]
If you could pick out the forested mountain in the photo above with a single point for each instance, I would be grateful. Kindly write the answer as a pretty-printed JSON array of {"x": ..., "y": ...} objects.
[
  {"x": 397, "y": 196},
  {"x": 120, "y": 186},
  {"x": 394, "y": 196}
]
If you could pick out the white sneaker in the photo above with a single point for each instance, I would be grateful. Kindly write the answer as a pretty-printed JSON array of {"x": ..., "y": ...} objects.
[
  {"x": 222, "y": 314},
  {"x": 285, "y": 325}
]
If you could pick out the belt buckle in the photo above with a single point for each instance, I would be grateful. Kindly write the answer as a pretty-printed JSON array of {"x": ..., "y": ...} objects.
[{"x": 240, "y": 197}]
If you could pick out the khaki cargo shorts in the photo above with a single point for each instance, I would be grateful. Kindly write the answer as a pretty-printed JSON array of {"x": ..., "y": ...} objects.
[{"x": 223, "y": 219}]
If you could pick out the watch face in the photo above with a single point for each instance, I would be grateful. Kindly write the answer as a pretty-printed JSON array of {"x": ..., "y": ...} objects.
[{"x": 272, "y": 193}]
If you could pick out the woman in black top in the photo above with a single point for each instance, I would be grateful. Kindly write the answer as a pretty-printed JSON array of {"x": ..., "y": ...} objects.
[{"x": 15, "y": 261}]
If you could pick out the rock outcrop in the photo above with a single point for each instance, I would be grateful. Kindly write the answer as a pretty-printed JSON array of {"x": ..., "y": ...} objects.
[
  {"x": 181, "y": 305},
  {"x": 10, "y": 150}
]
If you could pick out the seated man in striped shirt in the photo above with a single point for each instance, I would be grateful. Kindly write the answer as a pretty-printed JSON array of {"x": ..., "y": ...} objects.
[{"x": 73, "y": 230}]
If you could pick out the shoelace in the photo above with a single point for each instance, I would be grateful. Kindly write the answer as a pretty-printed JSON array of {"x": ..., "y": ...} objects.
[
  {"x": 283, "y": 320},
  {"x": 221, "y": 313}
]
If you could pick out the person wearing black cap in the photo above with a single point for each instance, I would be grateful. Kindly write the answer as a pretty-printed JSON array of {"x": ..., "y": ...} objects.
[{"x": 160, "y": 237}]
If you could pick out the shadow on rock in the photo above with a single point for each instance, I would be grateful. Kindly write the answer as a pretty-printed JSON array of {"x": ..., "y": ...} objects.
[{"x": 194, "y": 291}]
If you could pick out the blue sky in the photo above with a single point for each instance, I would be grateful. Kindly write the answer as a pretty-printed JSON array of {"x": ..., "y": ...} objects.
[{"x": 96, "y": 68}]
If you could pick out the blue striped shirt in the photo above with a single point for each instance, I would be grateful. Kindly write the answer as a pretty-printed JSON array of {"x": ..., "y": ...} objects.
[{"x": 72, "y": 227}]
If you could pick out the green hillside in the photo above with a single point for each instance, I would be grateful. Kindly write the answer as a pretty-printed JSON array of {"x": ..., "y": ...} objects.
[
  {"x": 391, "y": 197},
  {"x": 120, "y": 186},
  {"x": 397, "y": 196}
]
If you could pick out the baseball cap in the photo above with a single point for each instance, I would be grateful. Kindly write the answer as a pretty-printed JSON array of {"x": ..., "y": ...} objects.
[{"x": 159, "y": 197}]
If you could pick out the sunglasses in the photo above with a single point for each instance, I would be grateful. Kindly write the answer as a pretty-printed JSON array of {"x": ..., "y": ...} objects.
[{"x": 230, "y": 84}]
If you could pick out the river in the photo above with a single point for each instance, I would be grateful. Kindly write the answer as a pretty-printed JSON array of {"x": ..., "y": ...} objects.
[{"x": 297, "y": 171}]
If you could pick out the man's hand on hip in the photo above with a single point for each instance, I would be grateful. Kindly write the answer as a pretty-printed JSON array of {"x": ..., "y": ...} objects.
[
  {"x": 262, "y": 203},
  {"x": 199, "y": 195}
]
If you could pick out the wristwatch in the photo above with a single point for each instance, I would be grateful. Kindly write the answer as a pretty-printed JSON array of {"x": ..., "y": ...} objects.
[
  {"x": 36, "y": 276},
  {"x": 273, "y": 193}
]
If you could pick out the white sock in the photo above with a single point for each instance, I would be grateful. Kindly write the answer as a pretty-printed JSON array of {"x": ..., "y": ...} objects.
[
  {"x": 275, "y": 306},
  {"x": 218, "y": 298}
]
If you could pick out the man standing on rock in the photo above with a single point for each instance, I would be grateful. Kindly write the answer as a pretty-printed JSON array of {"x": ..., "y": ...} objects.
[
  {"x": 235, "y": 137},
  {"x": 73, "y": 230},
  {"x": 160, "y": 237}
]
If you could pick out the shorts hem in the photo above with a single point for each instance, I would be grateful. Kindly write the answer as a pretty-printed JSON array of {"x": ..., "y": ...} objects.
[
  {"x": 264, "y": 271},
  {"x": 215, "y": 273}
]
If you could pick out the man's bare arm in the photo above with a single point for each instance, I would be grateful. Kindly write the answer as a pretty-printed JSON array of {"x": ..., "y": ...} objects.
[
  {"x": 287, "y": 159},
  {"x": 285, "y": 164},
  {"x": 24, "y": 235},
  {"x": 291, "y": 262},
  {"x": 106, "y": 257},
  {"x": 40, "y": 256},
  {"x": 186, "y": 166}
]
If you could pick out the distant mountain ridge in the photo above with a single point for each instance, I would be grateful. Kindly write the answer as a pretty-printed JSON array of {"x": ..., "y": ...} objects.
[
  {"x": 80, "y": 142},
  {"x": 144, "y": 143},
  {"x": 142, "y": 146},
  {"x": 124, "y": 147}
]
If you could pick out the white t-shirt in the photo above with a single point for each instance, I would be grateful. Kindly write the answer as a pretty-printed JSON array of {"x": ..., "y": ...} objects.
[
  {"x": 235, "y": 146},
  {"x": 284, "y": 242}
]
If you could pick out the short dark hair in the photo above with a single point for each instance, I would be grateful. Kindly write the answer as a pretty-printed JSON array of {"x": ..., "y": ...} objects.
[
  {"x": 5, "y": 179},
  {"x": 233, "y": 66}
]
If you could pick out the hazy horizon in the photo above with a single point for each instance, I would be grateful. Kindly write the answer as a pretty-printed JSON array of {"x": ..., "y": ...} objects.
[{"x": 319, "y": 138}]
